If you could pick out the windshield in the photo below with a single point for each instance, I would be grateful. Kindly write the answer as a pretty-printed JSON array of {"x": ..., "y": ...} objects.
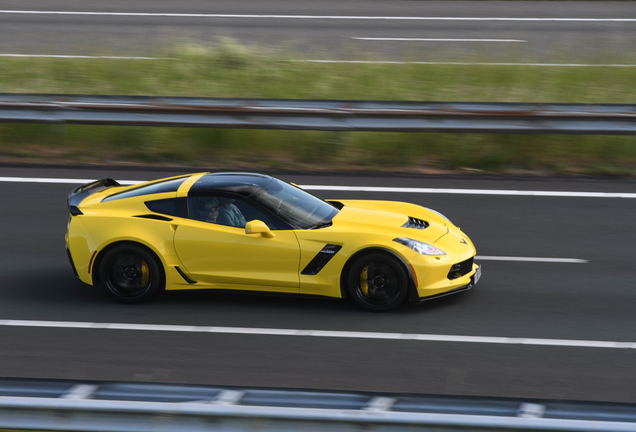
[{"x": 295, "y": 206}]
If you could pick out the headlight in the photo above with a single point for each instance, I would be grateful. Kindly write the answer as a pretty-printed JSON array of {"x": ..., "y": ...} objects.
[{"x": 419, "y": 247}]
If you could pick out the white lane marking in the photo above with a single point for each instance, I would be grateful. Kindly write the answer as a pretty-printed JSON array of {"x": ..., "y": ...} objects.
[
  {"x": 320, "y": 333},
  {"x": 463, "y": 63},
  {"x": 369, "y": 189},
  {"x": 435, "y": 39},
  {"x": 532, "y": 259},
  {"x": 80, "y": 391},
  {"x": 470, "y": 191},
  {"x": 379, "y": 404},
  {"x": 333, "y": 17},
  {"x": 228, "y": 397},
  {"x": 60, "y": 180},
  {"x": 531, "y": 410},
  {"x": 59, "y": 56}
]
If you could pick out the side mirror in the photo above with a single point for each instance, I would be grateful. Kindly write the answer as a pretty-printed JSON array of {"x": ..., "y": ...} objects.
[{"x": 258, "y": 227}]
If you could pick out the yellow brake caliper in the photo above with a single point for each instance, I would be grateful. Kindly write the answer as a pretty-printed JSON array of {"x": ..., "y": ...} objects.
[
  {"x": 364, "y": 285},
  {"x": 145, "y": 273}
]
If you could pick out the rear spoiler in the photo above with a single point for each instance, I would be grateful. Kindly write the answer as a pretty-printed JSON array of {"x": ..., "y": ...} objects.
[{"x": 78, "y": 194}]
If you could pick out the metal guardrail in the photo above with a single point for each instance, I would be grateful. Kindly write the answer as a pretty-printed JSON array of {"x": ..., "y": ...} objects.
[
  {"x": 332, "y": 115},
  {"x": 116, "y": 407}
]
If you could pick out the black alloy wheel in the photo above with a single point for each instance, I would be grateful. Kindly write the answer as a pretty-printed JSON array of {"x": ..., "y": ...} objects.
[
  {"x": 377, "y": 282},
  {"x": 130, "y": 274}
]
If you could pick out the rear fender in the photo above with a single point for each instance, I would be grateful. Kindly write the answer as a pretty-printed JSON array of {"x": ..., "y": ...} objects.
[{"x": 155, "y": 235}]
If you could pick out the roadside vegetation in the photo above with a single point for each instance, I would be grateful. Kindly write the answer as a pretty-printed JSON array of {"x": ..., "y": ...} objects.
[{"x": 232, "y": 70}]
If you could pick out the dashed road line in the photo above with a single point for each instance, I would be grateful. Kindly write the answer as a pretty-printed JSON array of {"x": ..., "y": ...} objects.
[
  {"x": 80, "y": 391},
  {"x": 396, "y": 39},
  {"x": 532, "y": 259},
  {"x": 60, "y": 56},
  {"x": 449, "y": 63},
  {"x": 380, "y": 403}
]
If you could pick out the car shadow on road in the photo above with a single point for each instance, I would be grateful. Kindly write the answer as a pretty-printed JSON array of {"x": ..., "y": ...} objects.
[
  {"x": 55, "y": 286},
  {"x": 440, "y": 304},
  {"x": 221, "y": 298}
]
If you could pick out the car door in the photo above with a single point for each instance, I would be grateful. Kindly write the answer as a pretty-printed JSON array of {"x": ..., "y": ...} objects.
[{"x": 227, "y": 257}]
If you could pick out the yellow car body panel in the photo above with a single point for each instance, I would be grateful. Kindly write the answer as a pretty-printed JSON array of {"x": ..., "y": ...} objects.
[
  {"x": 82, "y": 245},
  {"x": 228, "y": 258},
  {"x": 197, "y": 254}
]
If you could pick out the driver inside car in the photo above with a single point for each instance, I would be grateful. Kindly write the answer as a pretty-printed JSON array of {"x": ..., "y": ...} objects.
[{"x": 229, "y": 214}]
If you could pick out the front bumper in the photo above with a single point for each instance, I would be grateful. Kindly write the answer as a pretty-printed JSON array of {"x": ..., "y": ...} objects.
[{"x": 473, "y": 281}]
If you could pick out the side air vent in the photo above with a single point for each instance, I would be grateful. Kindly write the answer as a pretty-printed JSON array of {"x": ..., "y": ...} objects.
[
  {"x": 415, "y": 224},
  {"x": 183, "y": 275},
  {"x": 153, "y": 216},
  {"x": 321, "y": 259}
]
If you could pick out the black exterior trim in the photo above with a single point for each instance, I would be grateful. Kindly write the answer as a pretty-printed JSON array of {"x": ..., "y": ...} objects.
[
  {"x": 151, "y": 188},
  {"x": 321, "y": 259},
  {"x": 154, "y": 216},
  {"x": 415, "y": 223},
  {"x": 187, "y": 279},
  {"x": 336, "y": 204},
  {"x": 447, "y": 293},
  {"x": 78, "y": 194},
  {"x": 70, "y": 259}
]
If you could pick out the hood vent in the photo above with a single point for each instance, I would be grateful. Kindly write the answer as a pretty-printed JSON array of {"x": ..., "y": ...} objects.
[{"x": 415, "y": 223}]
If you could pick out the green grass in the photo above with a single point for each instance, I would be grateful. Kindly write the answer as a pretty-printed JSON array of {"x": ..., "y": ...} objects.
[{"x": 232, "y": 70}]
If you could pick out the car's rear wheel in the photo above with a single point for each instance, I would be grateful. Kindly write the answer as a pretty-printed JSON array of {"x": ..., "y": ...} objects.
[
  {"x": 377, "y": 282},
  {"x": 130, "y": 274}
]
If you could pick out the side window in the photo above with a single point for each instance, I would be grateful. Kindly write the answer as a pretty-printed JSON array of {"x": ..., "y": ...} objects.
[
  {"x": 222, "y": 210},
  {"x": 171, "y": 206}
]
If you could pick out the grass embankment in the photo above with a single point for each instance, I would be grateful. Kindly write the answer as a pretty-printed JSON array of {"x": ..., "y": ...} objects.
[{"x": 235, "y": 71}]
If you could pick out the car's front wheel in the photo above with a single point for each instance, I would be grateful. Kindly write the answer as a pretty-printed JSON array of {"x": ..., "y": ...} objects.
[
  {"x": 377, "y": 282},
  {"x": 130, "y": 274}
]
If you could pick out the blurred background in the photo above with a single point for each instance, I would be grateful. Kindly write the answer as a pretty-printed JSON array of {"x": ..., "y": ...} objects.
[
  {"x": 546, "y": 198},
  {"x": 507, "y": 51}
]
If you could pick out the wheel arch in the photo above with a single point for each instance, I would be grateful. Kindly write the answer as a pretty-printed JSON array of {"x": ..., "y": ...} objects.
[
  {"x": 102, "y": 253},
  {"x": 361, "y": 253}
]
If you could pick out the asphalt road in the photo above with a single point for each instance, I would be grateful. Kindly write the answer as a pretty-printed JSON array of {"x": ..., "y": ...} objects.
[
  {"x": 589, "y": 301},
  {"x": 318, "y": 29}
]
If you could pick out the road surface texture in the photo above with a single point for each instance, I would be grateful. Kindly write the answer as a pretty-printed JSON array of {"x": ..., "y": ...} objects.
[{"x": 587, "y": 300}]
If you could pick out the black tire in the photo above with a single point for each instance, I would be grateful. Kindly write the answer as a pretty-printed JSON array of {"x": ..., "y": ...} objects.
[
  {"x": 377, "y": 282},
  {"x": 130, "y": 274}
]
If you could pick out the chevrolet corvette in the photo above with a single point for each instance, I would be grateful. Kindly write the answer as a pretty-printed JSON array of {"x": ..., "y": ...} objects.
[{"x": 243, "y": 231}]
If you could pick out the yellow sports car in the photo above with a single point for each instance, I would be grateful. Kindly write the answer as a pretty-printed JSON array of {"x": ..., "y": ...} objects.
[{"x": 241, "y": 231}]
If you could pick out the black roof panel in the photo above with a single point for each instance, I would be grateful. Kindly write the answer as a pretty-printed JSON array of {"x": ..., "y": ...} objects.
[{"x": 242, "y": 183}]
